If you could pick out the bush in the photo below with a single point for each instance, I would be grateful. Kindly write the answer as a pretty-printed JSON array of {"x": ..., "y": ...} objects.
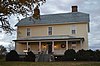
[
  {"x": 97, "y": 55},
  {"x": 12, "y": 56},
  {"x": 30, "y": 56},
  {"x": 85, "y": 55},
  {"x": 80, "y": 56},
  {"x": 2, "y": 56},
  {"x": 90, "y": 55},
  {"x": 69, "y": 55}
]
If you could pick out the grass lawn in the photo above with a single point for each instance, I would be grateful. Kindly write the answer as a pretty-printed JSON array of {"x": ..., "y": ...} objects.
[
  {"x": 71, "y": 63},
  {"x": 3, "y": 63}
]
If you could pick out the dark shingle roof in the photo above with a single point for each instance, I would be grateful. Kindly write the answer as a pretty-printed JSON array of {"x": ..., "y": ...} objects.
[{"x": 55, "y": 19}]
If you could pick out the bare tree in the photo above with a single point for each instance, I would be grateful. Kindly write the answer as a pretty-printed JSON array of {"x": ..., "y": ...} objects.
[
  {"x": 11, "y": 46},
  {"x": 2, "y": 49},
  {"x": 23, "y": 7}
]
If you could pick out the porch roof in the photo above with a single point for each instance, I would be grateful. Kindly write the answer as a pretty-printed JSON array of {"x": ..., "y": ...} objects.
[{"x": 53, "y": 37}]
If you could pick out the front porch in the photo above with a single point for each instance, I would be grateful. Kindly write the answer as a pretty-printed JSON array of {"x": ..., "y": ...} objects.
[{"x": 49, "y": 46}]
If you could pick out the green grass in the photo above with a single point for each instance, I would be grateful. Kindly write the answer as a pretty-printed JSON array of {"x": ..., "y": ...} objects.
[{"x": 3, "y": 63}]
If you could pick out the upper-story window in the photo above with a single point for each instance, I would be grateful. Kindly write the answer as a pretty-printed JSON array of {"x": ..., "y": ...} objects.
[
  {"x": 49, "y": 30},
  {"x": 28, "y": 33},
  {"x": 73, "y": 29}
]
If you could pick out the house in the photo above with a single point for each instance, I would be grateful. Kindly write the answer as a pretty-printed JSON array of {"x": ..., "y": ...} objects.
[{"x": 53, "y": 33}]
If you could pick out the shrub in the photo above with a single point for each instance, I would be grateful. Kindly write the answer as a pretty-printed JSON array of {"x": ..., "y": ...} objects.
[
  {"x": 2, "y": 56},
  {"x": 85, "y": 55},
  {"x": 90, "y": 55},
  {"x": 97, "y": 55},
  {"x": 30, "y": 56},
  {"x": 69, "y": 55},
  {"x": 12, "y": 56},
  {"x": 80, "y": 56}
]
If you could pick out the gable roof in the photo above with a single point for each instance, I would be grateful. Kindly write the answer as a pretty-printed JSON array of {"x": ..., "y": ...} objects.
[{"x": 62, "y": 18}]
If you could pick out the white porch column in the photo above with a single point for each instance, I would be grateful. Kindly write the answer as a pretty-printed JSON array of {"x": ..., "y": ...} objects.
[
  {"x": 66, "y": 44},
  {"x": 52, "y": 46},
  {"x": 39, "y": 46},
  {"x": 81, "y": 44},
  {"x": 27, "y": 46}
]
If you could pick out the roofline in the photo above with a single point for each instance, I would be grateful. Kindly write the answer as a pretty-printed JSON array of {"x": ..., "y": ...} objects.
[
  {"x": 48, "y": 39},
  {"x": 55, "y": 24},
  {"x": 64, "y": 13}
]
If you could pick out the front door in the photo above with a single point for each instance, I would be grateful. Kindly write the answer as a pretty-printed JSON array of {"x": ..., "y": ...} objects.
[{"x": 49, "y": 47}]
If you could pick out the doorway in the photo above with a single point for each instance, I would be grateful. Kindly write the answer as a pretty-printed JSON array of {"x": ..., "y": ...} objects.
[{"x": 49, "y": 47}]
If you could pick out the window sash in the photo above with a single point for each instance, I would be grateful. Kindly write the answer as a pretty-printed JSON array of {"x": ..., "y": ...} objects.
[
  {"x": 28, "y": 32},
  {"x": 49, "y": 30},
  {"x": 73, "y": 31}
]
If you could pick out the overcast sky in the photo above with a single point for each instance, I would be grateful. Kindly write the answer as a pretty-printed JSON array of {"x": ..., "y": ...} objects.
[{"x": 91, "y": 7}]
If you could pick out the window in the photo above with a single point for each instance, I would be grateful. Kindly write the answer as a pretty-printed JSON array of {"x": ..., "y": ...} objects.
[
  {"x": 73, "y": 32},
  {"x": 49, "y": 30},
  {"x": 28, "y": 32},
  {"x": 73, "y": 46},
  {"x": 73, "y": 29},
  {"x": 74, "y": 42}
]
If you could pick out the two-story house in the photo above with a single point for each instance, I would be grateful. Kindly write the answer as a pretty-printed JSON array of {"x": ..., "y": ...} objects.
[{"x": 53, "y": 33}]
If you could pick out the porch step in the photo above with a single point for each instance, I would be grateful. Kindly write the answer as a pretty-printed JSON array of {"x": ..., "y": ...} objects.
[{"x": 45, "y": 58}]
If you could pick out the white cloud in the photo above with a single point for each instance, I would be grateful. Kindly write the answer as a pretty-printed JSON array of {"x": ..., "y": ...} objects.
[{"x": 4, "y": 43}]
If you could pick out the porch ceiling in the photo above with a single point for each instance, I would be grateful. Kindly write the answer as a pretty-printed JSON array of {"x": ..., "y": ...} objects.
[{"x": 53, "y": 37}]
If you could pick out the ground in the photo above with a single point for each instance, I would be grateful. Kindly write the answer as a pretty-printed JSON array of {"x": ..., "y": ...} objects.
[
  {"x": 71, "y": 63},
  {"x": 67, "y": 63}
]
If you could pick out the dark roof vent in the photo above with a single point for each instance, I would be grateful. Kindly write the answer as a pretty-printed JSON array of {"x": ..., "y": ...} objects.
[{"x": 74, "y": 9}]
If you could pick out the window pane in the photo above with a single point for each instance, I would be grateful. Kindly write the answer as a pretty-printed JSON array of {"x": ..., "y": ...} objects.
[
  {"x": 73, "y": 32},
  {"x": 28, "y": 31},
  {"x": 49, "y": 30},
  {"x": 73, "y": 29}
]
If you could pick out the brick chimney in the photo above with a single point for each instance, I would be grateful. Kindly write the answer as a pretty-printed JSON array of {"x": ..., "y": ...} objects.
[
  {"x": 36, "y": 13},
  {"x": 74, "y": 9}
]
